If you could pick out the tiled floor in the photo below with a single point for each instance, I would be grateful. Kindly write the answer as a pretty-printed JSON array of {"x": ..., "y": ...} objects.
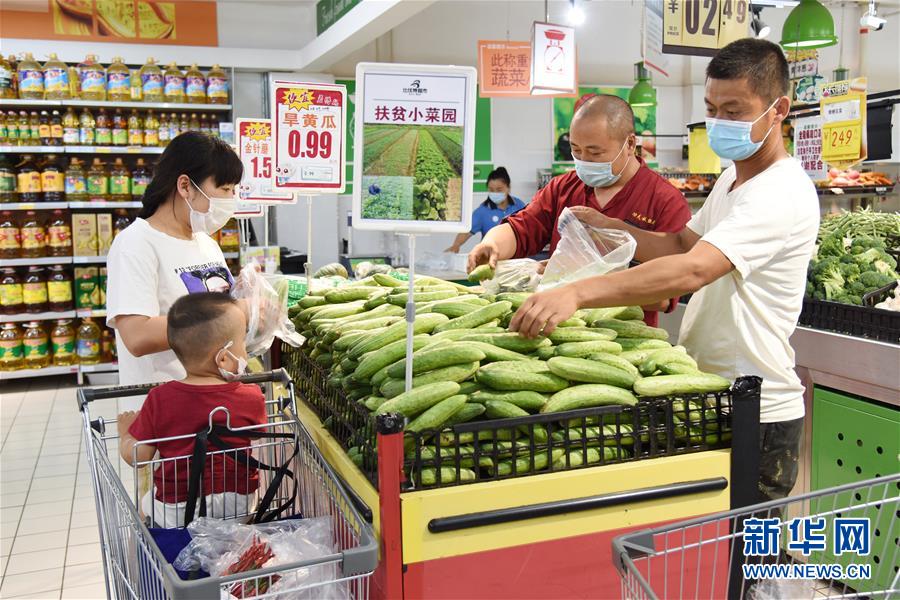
[{"x": 50, "y": 539}]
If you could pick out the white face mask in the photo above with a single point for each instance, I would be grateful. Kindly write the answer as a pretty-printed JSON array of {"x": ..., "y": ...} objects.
[
  {"x": 241, "y": 364},
  {"x": 220, "y": 210}
]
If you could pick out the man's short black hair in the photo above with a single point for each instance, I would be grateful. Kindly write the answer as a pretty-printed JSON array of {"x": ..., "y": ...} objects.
[
  {"x": 198, "y": 323},
  {"x": 760, "y": 62}
]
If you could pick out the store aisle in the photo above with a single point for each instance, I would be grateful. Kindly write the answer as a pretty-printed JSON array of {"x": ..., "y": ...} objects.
[{"x": 50, "y": 540}]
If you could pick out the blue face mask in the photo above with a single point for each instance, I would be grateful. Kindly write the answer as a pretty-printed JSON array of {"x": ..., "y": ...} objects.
[
  {"x": 496, "y": 197},
  {"x": 598, "y": 174},
  {"x": 731, "y": 139}
]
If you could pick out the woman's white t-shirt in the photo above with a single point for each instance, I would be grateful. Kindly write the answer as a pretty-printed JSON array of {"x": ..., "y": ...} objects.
[{"x": 148, "y": 271}]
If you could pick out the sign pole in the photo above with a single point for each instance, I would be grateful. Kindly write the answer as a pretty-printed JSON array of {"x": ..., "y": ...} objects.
[
  {"x": 410, "y": 309},
  {"x": 309, "y": 230}
]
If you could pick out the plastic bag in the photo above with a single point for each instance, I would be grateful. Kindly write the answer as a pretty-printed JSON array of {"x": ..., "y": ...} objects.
[
  {"x": 366, "y": 268},
  {"x": 266, "y": 296},
  {"x": 229, "y": 547},
  {"x": 516, "y": 275},
  {"x": 585, "y": 251},
  {"x": 778, "y": 589}
]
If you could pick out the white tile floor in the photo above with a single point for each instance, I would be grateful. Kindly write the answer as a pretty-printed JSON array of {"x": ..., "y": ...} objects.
[{"x": 48, "y": 523}]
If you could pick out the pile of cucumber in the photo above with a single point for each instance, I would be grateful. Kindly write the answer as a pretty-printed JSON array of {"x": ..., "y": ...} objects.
[{"x": 467, "y": 366}]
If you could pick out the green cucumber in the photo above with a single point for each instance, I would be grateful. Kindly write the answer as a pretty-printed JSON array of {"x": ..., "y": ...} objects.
[
  {"x": 616, "y": 360},
  {"x": 380, "y": 358},
  {"x": 632, "y": 330},
  {"x": 588, "y": 395},
  {"x": 480, "y": 273},
  {"x": 430, "y": 358},
  {"x": 452, "y": 374},
  {"x": 374, "y": 402},
  {"x": 499, "y": 409},
  {"x": 581, "y": 334},
  {"x": 467, "y": 412},
  {"x": 506, "y": 375},
  {"x": 494, "y": 354},
  {"x": 582, "y": 349},
  {"x": 435, "y": 416},
  {"x": 670, "y": 385},
  {"x": 397, "y": 331},
  {"x": 524, "y": 465},
  {"x": 349, "y": 294},
  {"x": 417, "y": 400},
  {"x": 517, "y": 299},
  {"x": 666, "y": 355},
  {"x": 641, "y": 343},
  {"x": 400, "y": 299},
  {"x": 509, "y": 341},
  {"x": 589, "y": 371},
  {"x": 530, "y": 401},
  {"x": 447, "y": 475},
  {"x": 477, "y": 317}
]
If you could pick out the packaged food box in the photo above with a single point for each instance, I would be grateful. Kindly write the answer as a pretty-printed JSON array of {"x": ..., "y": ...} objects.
[
  {"x": 104, "y": 233},
  {"x": 87, "y": 292},
  {"x": 84, "y": 234}
]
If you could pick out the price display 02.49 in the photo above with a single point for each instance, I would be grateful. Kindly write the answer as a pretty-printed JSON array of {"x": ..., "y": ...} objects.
[{"x": 700, "y": 27}]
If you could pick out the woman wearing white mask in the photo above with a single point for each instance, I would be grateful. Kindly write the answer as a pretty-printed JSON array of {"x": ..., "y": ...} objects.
[
  {"x": 499, "y": 205},
  {"x": 168, "y": 252}
]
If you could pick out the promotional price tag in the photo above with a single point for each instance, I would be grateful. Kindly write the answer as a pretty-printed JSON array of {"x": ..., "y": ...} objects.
[
  {"x": 700, "y": 27},
  {"x": 255, "y": 149},
  {"x": 309, "y": 136},
  {"x": 841, "y": 142},
  {"x": 843, "y": 110}
]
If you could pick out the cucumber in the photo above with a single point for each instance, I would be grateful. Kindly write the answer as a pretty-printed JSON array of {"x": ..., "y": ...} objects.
[
  {"x": 380, "y": 377},
  {"x": 430, "y": 358},
  {"x": 374, "y": 402},
  {"x": 375, "y": 300},
  {"x": 581, "y": 334},
  {"x": 675, "y": 368},
  {"x": 517, "y": 299},
  {"x": 336, "y": 311},
  {"x": 667, "y": 355},
  {"x": 493, "y": 353},
  {"x": 447, "y": 475},
  {"x": 344, "y": 342},
  {"x": 386, "y": 280},
  {"x": 636, "y": 357},
  {"x": 524, "y": 465},
  {"x": 491, "y": 325},
  {"x": 349, "y": 294},
  {"x": 452, "y": 374},
  {"x": 505, "y": 376},
  {"x": 468, "y": 387},
  {"x": 641, "y": 343},
  {"x": 589, "y": 371},
  {"x": 480, "y": 273},
  {"x": 416, "y": 401},
  {"x": 332, "y": 270},
  {"x": 582, "y": 349},
  {"x": 588, "y": 395},
  {"x": 400, "y": 299},
  {"x": 499, "y": 409},
  {"x": 450, "y": 438},
  {"x": 545, "y": 353},
  {"x": 669, "y": 385},
  {"x": 477, "y": 317},
  {"x": 378, "y": 359},
  {"x": 632, "y": 330},
  {"x": 397, "y": 331},
  {"x": 458, "y": 334},
  {"x": 467, "y": 412},
  {"x": 348, "y": 365},
  {"x": 530, "y": 401},
  {"x": 325, "y": 359},
  {"x": 573, "y": 322},
  {"x": 509, "y": 341},
  {"x": 437, "y": 415},
  {"x": 453, "y": 309},
  {"x": 616, "y": 360},
  {"x": 310, "y": 301}
]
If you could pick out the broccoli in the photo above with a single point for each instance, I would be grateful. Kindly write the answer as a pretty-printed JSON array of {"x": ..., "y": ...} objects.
[
  {"x": 874, "y": 280},
  {"x": 863, "y": 243},
  {"x": 810, "y": 289},
  {"x": 845, "y": 298},
  {"x": 832, "y": 245},
  {"x": 849, "y": 272},
  {"x": 833, "y": 281},
  {"x": 874, "y": 259},
  {"x": 823, "y": 266},
  {"x": 848, "y": 259},
  {"x": 857, "y": 288},
  {"x": 819, "y": 294}
]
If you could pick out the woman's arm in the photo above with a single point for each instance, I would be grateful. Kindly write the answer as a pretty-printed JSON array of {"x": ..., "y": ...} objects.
[
  {"x": 461, "y": 239},
  {"x": 143, "y": 335}
]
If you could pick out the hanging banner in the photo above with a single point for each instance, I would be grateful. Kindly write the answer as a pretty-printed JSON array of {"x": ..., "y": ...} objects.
[
  {"x": 653, "y": 38},
  {"x": 504, "y": 69},
  {"x": 255, "y": 150},
  {"x": 843, "y": 112},
  {"x": 700, "y": 28},
  {"x": 554, "y": 69},
  {"x": 808, "y": 147},
  {"x": 414, "y": 151},
  {"x": 309, "y": 137}
]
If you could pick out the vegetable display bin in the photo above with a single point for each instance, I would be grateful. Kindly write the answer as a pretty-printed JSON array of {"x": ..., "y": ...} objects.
[{"x": 861, "y": 321}]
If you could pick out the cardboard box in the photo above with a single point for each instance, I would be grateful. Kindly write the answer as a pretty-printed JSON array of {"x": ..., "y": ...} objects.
[
  {"x": 104, "y": 233},
  {"x": 87, "y": 290},
  {"x": 84, "y": 234}
]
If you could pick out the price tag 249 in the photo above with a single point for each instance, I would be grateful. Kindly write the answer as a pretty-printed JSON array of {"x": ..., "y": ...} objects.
[{"x": 841, "y": 141}]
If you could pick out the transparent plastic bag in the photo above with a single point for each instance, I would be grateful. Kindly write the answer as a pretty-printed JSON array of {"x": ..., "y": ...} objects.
[
  {"x": 585, "y": 251},
  {"x": 516, "y": 275},
  {"x": 366, "y": 268},
  {"x": 217, "y": 546},
  {"x": 266, "y": 297},
  {"x": 778, "y": 589}
]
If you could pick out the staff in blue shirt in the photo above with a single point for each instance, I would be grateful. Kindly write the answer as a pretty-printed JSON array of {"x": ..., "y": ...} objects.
[{"x": 499, "y": 205}]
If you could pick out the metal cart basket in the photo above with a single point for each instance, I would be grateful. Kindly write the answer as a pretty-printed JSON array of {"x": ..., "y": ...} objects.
[
  {"x": 134, "y": 564},
  {"x": 840, "y": 542}
]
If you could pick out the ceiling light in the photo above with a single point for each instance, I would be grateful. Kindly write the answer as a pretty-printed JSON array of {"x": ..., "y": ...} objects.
[
  {"x": 576, "y": 14},
  {"x": 808, "y": 26},
  {"x": 643, "y": 93}
]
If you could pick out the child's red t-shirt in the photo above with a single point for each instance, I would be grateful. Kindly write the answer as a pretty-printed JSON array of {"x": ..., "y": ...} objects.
[{"x": 176, "y": 409}]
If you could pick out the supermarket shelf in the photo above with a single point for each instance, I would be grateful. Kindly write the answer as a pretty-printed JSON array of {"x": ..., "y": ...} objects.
[
  {"x": 27, "y": 262},
  {"x": 32, "y": 149},
  {"x": 82, "y": 149},
  {"x": 231, "y": 254},
  {"x": 90, "y": 312},
  {"x": 104, "y": 204},
  {"x": 858, "y": 190},
  {"x": 88, "y": 260},
  {"x": 44, "y": 316},
  {"x": 10, "y": 102},
  {"x": 45, "y": 372},
  {"x": 33, "y": 205},
  {"x": 100, "y": 368}
]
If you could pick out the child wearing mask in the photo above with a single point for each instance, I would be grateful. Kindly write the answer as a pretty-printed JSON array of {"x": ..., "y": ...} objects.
[{"x": 207, "y": 332}]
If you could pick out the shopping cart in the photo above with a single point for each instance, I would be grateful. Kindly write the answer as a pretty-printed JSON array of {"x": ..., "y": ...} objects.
[
  {"x": 136, "y": 567},
  {"x": 840, "y": 542}
]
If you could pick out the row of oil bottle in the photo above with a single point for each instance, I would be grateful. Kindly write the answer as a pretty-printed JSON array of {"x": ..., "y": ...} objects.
[
  {"x": 50, "y": 128},
  {"x": 27, "y": 79},
  {"x": 40, "y": 344},
  {"x": 51, "y": 179},
  {"x": 56, "y": 288}
]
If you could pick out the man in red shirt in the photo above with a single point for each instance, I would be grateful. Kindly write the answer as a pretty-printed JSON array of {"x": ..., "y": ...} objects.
[{"x": 608, "y": 177}]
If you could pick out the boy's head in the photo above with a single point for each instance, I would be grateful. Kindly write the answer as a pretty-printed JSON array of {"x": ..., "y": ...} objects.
[{"x": 200, "y": 325}]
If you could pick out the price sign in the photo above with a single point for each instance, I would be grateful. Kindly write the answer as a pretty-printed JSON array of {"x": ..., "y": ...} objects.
[
  {"x": 841, "y": 142},
  {"x": 255, "y": 149},
  {"x": 843, "y": 111},
  {"x": 309, "y": 137},
  {"x": 701, "y": 27}
]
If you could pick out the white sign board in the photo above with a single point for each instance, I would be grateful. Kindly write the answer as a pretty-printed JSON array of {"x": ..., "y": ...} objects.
[
  {"x": 553, "y": 59},
  {"x": 255, "y": 149},
  {"x": 309, "y": 137},
  {"x": 808, "y": 147},
  {"x": 414, "y": 148},
  {"x": 653, "y": 38}
]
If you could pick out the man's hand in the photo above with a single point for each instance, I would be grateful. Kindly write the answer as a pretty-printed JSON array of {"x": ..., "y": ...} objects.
[
  {"x": 483, "y": 253},
  {"x": 124, "y": 421},
  {"x": 594, "y": 218},
  {"x": 452, "y": 249},
  {"x": 542, "y": 312}
]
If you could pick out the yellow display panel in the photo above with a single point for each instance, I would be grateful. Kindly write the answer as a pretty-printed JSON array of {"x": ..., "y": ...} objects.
[{"x": 700, "y": 27}]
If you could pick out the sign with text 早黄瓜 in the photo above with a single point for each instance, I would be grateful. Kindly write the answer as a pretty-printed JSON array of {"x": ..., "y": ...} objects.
[
  {"x": 255, "y": 149},
  {"x": 701, "y": 27},
  {"x": 414, "y": 148},
  {"x": 504, "y": 69},
  {"x": 309, "y": 137}
]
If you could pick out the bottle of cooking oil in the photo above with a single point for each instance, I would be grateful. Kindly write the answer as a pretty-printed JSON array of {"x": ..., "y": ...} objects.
[
  {"x": 152, "y": 81},
  {"x": 11, "y": 350},
  {"x": 173, "y": 126},
  {"x": 140, "y": 178},
  {"x": 53, "y": 180},
  {"x": 24, "y": 129},
  {"x": 98, "y": 181},
  {"x": 151, "y": 129},
  {"x": 62, "y": 343},
  {"x": 31, "y": 78},
  {"x": 204, "y": 124},
  {"x": 184, "y": 124},
  {"x": 174, "y": 84},
  {"x": 195, "y": 85},
  {"x": 164, "y": 131},
  {"x": 119, "y": 182},
  {"x": 87, "y": 342},
  {"x": 103, "y": 131},
  {"x": 194, "y": 123},
  {"x": 34, "y": 128},
  {"x": 217, "y": 86},
  {"x": 76, "y": 182},
  {"x": 36, "y": 346},
  {"x": 44, "y": 129},
  {"x": 119, "y": 129},
  {"x": 56, "y": 128},
  {"x": 70, "y": 125},
  {"x": 93, "y": 79},
  {"x": 135, "y": 129},
  {"x": 6, "y": 80},
  {"x": 56, "y": 79},
  {"x": 86, "y": 128},
  {"x": 118, "y": 81},
  {"x": 12, "y": 127},
  {"x": 137, "y": 87}
]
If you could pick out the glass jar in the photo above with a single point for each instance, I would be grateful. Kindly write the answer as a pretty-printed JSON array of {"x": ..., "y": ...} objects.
[
  {"x": 59, "y": 289},
  {"x": 34, "y": 236},
  {"x": 35, "y": 346},
  {"x": 10, "y": 236},
  {"x": 53, "y": 180},
  {"x": 29, "y": 180},
  {"x": 76, "y": 182},
  {"x": 11, "y": 350},
  {"x": 59, "y": 235},
  {"x": 87, "y": 342},
  {"x": 62, "y": 343},
  {"x": 11, "y": 300},
  {"x": 34, "y": 290}
]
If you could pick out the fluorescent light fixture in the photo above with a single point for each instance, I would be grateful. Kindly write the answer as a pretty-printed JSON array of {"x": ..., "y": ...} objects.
[{"x": 576, "y": 16}]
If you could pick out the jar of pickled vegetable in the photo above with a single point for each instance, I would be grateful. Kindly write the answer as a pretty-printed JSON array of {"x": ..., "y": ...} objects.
[
  {"x": 35, "y": 346},
  {"x": 34, "y": 290},
  {"x": 11, "y": 350},
  {"x": 11, "y": 302}
]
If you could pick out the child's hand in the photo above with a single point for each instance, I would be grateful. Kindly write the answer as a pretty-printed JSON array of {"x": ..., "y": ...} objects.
[{"x": 124, "y": 421}]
